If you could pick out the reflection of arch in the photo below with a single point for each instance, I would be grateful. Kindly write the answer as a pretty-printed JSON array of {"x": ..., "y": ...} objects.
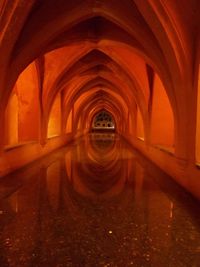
[
  {"x": 102, "y": 168},
  {"x": 103, "y": 141},
  {"x": 103, "y": 120}
]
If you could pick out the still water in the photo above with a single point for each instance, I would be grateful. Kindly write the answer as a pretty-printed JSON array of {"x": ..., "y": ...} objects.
[{"x": 96, "y": 202}]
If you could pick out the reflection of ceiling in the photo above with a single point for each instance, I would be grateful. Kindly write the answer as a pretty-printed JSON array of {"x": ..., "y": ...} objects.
[{"x": 98, "y": 162}]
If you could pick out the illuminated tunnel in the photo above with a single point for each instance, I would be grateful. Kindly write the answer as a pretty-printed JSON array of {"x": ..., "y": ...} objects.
[
  {"x": 99, "y": 133},
  {"x": 135, "y": 60}
]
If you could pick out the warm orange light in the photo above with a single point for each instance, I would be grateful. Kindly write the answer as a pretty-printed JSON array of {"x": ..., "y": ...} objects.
[
  {"x": 54, "y": 126},
  {"x": 162, "y": 121},
  {"x": 140, "y": 125},
  {"x": 11, "y": 120}
]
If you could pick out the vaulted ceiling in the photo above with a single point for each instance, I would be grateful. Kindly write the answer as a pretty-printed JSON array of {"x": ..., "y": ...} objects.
[{"x": 104, "y": 53}]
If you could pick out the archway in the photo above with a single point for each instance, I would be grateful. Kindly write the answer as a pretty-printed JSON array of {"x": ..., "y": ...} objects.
[{"x": 103, "y": 121}]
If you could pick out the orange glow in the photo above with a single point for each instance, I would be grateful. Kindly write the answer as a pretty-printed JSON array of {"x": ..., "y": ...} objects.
[
  {"x": 138, "y": 60},
  {"x": 12, "y": 120},
  {"x": 54, "y": 126},
  {"x": 69, "y": 123},
  {"x": 132, "y": 124},
  {"x": 28, "y": 97},
  {"x": 162, "y": 123},
  {"x": 140, "y": 125}
]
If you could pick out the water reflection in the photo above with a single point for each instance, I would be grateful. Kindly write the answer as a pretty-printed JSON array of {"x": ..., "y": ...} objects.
[
  {"x": 98, "y": 166},
  {"x": 96, "y": 203}
]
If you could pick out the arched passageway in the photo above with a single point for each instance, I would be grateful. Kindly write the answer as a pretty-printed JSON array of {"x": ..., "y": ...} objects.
[
  {"x": 103, "y": 121},
  {"x": 122, "y": 70}
]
